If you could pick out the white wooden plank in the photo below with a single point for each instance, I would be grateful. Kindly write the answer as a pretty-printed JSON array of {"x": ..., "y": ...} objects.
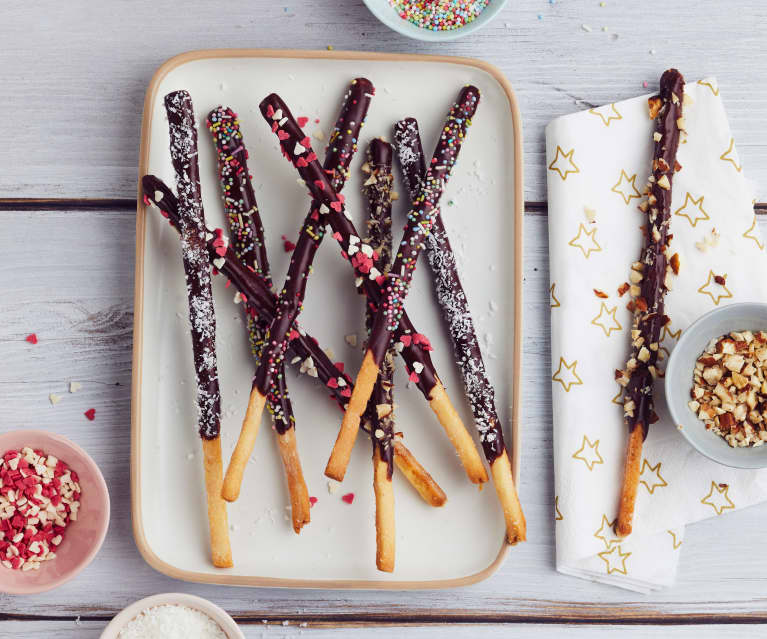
[
  {"x": 76, "y": 295},
  {"x": 92, "y": 630},
  {"x": 73, "y": 91}
]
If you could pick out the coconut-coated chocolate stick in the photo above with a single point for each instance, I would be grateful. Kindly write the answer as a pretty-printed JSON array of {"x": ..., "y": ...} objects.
[
  {"x": 183, "y": 153},
  {"x": 655, "y": 270},
  {"x": 455, "y": 306},
  {"x": 307, "y": 354},
  {"x": 396, "y": 286},
  {"x": 247, "y": 232},
  {"x": 378, "y": 188},
  {"x": 340, "y": 150},
  {"x": 412, "y": 346}
]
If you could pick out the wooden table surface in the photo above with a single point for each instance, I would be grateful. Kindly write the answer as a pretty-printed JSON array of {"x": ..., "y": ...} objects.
[{"x": 73, "y": 79}]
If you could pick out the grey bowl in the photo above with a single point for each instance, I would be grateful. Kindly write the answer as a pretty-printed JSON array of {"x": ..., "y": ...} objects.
[{"x": 734, "y": 317}]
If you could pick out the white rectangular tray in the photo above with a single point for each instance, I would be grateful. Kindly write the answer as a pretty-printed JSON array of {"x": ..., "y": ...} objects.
[{"x": 455, "y": 545}]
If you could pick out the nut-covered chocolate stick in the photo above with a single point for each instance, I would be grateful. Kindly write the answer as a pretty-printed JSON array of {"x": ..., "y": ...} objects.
[
  {"x": 307, "y": 354},
  {"x": 455, "y": 305},
  {"x": 183, "y": 153},
  {"x": 341, "y": 148},
  {"x": 412, "y": 346},
  {"x": 247, "y": 232},
  {"x": 378, "y": 189},
  {"x": 652, "y": 278}
]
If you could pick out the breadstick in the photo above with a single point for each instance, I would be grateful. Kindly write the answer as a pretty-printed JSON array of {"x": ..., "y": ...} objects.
[
  {"x": 307, "y": 353},
  {"x": 413, "y": 346},
  {"x": 290, "y": 299},
  {"x": 417, "y": 475},
  {"x": 183, "y": 152},
  {"x": 377, "y": 188},
  {"x": 653, "y": 273},
  {"x": 455, "y": 306},
  {"x": 247, "y": 231},
  {"x": 397, "y": 285}
]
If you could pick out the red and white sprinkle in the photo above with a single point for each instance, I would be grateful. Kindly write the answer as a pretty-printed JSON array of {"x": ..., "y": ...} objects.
[{"x": 39, "y": 496}]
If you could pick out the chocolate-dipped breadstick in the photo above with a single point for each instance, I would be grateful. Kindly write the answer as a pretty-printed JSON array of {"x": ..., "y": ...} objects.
[
  {"x": 248, "y": 242},
  {"x": 341, "y": 148},
  {"x": 652, "y": 278},
  {"x": 413, "y": 346},
  {"x": 378, "y": 189},
  {"x": 183, "y": 153},
  {"x": 306, "y": 353},
  {"x": 396, "y": 287},
  {"x": 453, "y": 301}
]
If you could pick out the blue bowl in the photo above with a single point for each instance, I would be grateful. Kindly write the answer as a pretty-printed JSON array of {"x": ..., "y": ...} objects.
[
  {"x": 382, "y": 10},
  {"x": 679, "y": 371}
]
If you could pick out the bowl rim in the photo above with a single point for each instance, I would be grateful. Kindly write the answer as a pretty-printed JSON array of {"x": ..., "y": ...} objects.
[
  {"x": 386, "y": 15},
  {"x": 668, "y": 383},
  {"x": 102, "y": 486},
  {"x": 215, "y": 612}
]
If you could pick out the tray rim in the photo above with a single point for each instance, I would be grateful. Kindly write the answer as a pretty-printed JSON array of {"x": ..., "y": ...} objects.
[{"x": 224, "y": 578}]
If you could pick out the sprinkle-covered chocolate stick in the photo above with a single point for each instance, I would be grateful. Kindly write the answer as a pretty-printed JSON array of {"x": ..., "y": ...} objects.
[
  {"x": 247, "y": 233},
  {"x": 305, "y": 351},
  {"x": 395, "y": 287},
  {"x": 455, "y": 305},
  {"x": 378, "y": 189},
  {"x": 341, "y": 148},
  {"x": 183, "y": 153},
  {"x": 651, "y": 278},
  {"x": 413, "y": 346}
]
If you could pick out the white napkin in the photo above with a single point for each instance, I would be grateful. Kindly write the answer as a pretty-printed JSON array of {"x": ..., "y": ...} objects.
[{"x": 599, "y": 160}]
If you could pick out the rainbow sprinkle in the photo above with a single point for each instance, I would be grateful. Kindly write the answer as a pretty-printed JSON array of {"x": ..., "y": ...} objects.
[{"x": 439, "y": 15}]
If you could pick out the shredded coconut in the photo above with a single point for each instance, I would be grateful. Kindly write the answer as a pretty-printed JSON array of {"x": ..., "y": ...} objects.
[{"x": 171, "y": 622}]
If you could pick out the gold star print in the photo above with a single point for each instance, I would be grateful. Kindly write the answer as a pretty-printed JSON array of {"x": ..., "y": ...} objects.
[
  {"x": 557, "y": 513},
  {"x": 567, "y": 377},
  {"x": 727, "y": 156},
  {"x": 615, "y": 560},
  {"x": 587, "y": 246},
  {"x": 554, "y": 301},
  {"x": 588, "y": 453},
  {"x": 718, "y": 498},
  {"x": 748, "y": 235},
  {"x": 563, "y": 163},
  {"x": 650, "y": 476},
  {"x": 610, "y": 116},
  {"x": 709, "y": 84},
  {"x": 618, "y": 398},
  {"x": 607, "y": 325},
  {"x": 712, "y": 285},
  {"x": 626, "y": 187},
  {"x": 692, "y": 209},
  {"x": 606, "y": 532},
  {"x": 674, "y": 540},
  {"x": 668, "y": 333}
]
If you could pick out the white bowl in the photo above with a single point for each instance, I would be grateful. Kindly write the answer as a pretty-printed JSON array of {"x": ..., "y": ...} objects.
[
  {"x": 382, "y": 10},
  {"x": 734, "y": 317},
  {"x": 219, "y": 615}
]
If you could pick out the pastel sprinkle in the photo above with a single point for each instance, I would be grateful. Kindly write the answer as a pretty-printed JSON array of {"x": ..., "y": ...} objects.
[{"x": 439, "y": 15}]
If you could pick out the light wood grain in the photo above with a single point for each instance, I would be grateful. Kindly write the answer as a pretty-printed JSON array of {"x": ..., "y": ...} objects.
[
  {"x": 74, "y": 117},
  {"x": 76, "y": 295},
  {"x": 92, "y": 630}
]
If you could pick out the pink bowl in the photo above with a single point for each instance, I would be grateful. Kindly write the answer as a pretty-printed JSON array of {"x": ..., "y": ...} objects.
[{"x": 83, "y": 538}]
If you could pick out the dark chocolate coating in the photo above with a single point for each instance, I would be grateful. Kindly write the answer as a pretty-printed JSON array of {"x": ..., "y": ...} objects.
[
  {"x": 191, "y": 217},
  {"x": 419, "y": 221},
  {"x": 303, "y": 347},
  {"x": 379, "y": 222},
  {"x": 452, "y": 299},
  {"x": 650, "y": 322},
  {"x": 343, "y": 143},
  {"x": 247, "y": 232},
  {"x": 416, "y": 351}
]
